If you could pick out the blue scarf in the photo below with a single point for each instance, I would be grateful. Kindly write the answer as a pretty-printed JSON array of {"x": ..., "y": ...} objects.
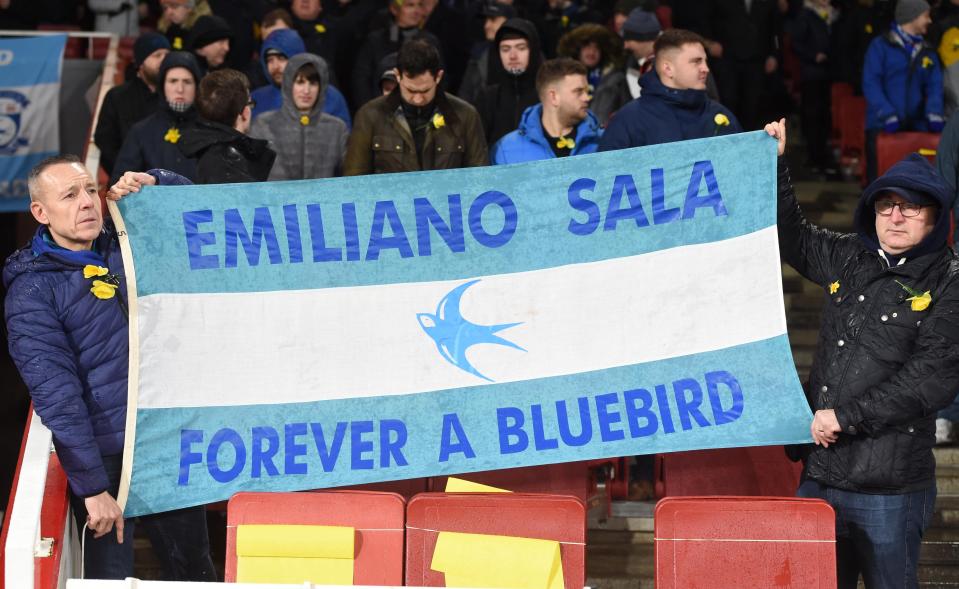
[{"x": 912, "y": 43}]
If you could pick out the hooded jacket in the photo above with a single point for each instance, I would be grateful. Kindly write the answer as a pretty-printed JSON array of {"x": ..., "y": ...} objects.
[
  {"x": 310, "y": 147},
  {"x": 152, "y": 143},
  {"x": 897, "y": 84},
  {"x": 502, "y": 102},
  {"x": 885, "y": 362},
  {"x": 270, "y": 97},
  {"x": 71, "y": 349},
  {"x": 226, "y": 156},
  {"x": 529, "y": 142},
  {"x": 664, "y": 115},
  {"x": 610, "y": 48}
]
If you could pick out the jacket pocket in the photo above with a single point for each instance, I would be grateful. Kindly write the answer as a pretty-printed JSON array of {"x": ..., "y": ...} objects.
[
  {"x": 388, "y": 154},
  {"x": 448, "y": 152}
]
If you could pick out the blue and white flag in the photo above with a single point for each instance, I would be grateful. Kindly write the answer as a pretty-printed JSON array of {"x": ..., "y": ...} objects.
[
  {"x": 310, "y": 334},
  {"x": 29, "y": 111}
]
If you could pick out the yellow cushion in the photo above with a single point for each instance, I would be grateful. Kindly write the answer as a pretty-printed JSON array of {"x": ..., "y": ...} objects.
[
  {"x": 497, "y": 562},
  {"x": 294, "y": 554}
]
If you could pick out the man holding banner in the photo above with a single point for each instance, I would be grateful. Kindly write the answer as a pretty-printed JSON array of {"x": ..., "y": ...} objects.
[{"x": 887, "y": 361}]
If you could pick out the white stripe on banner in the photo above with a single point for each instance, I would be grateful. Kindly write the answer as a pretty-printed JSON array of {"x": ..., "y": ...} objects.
[{"x": 624, "y": 311}]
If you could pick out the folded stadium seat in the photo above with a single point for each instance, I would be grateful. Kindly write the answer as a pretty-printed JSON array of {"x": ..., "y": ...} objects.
[
  {"x": 892, "y": 147},
  {"x": 837, "y": 91},
  {"x": 664, "y": 14},
  {"x": 496, "y": 540},
  {"x": 852, "y": 134},
  {"x": 407, "y": 488},
  {"x": 100, "y": 48},
  {"x": 328, "y": 537},
  {"x": 757, "y": 471},
  {"x": 75, "y": 48},
  {"x": 744, "y": 542},
  {"x": 569, "y": 478},
  {"x": 791, "y": 68}
]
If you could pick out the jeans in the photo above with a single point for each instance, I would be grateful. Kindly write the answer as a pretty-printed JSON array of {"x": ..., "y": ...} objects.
[
  {"x": 877, "y": 536},
  {"x": 179, "y": 540}
]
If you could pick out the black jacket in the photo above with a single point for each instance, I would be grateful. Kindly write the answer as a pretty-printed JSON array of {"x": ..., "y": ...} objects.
[
  {"x": 225, "y": 156},
  {"x": 885, "y": 366},
  {"x": 151, "y": 143},
  {"x": 745, "y": 36},
  {"x": 123, "y": 106}
]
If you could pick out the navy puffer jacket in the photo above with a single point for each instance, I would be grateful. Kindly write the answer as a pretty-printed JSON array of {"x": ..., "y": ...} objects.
[{"x": 71, "y": 349}]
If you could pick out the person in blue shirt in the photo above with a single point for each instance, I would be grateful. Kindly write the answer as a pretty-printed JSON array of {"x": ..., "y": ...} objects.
[{"x": 560, "y": 125}]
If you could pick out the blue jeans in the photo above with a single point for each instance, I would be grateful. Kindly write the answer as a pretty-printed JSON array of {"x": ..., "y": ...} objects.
[
  {"x": 179, "y": 540},
  {"x": 877, "y": 536}
]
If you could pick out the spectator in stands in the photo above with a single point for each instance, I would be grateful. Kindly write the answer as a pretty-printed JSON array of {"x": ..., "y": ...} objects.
[
  {"x": 241, "y": 17},
  {"x": 902, "y": 80},
  {"x": 812, "y": 43},
  {"x": 275, "y": 52},
  {"x": 673, "y": 105},
  {"x": 883, "y": 367},
  {"x": 474, "y": 78},
  {"x": 320, "y": 33},
  {"x": 119, "y": 17},
  {"x": 152, "y": 143},
  {"x": 67, "y": 326},
  {"x": 511, "y": 78},
  {"x": 404, "y": 26},
  {"x": 218, "y": 142},
  {"x": 560, "y": 125},
  {"x": 943, "y": 36},
  {"x": 451, "y": 25},
  {"x": 178, "y": 18},
  {"x": 623, "y": 8},
  {"x": 210, "y": 41},
  {"x": 274, "y": 20},
  {"x": 132, "y": 101},
  {"x": 308, "y": 142},
  {"x": 596, "y": 47},
  {"x": 388, "y": 81},
  {"x": 418, "y": 126},
  {"x": 640, "y": 32},
  {"x": 555, "y": 18}
]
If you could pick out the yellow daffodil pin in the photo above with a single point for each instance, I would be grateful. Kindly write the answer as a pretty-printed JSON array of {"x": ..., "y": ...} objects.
[
  {"x": 172, "y": 135},
  {"x": 564, "y": 21},
  {"x": 320, "y": 28},
  {"x": 565, "y": 143},
  {"x": 439, "y": 121},
  {"x": 926, "y": 62},
  {"x": 868, "y": 28},
  {"x": 919, "y": 301},
  {"x": 721, "y": 119},
  {"x": 178, "y": 43},
  {"x": 90, "y": 271},
  {"x": 304, "y": 120},
  {"x": 103, "y": 290},
  {"x": 833, "y": 287}
]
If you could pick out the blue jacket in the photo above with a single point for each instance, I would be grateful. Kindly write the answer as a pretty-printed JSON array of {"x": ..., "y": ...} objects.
[
  {"x": 664, "y": 115},
  {"x": 528, "y": 142},
  {"x": 71, "y": 349},
  {"x": 269, "y": 97},
  {"x": 885, "y": 77}
]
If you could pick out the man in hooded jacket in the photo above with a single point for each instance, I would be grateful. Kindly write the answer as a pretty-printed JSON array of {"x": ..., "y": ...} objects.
[
  {"x": 887, "y": 360},
  {"x": 308, "y": 144}
]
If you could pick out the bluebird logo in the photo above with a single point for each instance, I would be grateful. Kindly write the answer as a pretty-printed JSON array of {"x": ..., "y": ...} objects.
[{"x": 454, "y": 335}]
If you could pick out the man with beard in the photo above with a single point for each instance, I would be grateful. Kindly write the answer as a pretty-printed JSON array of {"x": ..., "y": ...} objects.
[
  {"x": 560, "y": 125},
  {"x": 151, "y": 143},
  {"x": 132, "y": 101},
  {"x": 511, "y": 78}
]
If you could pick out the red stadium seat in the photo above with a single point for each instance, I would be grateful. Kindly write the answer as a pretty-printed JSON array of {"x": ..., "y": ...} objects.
[
  {"x": 571, "y": 478},
  {"x": 744, "y": 542},
  {"x": 664, "y": 14},
  {"x": 892, "y": 147},
  {"x": 758, "y": 471},
  {"x": 406, "y": 488},
  {"x": 838, "y": 91},
  {"x": 377, "y": 518},
  {"x": 852, "y": 132},
  {"x": 546, "y": 517}
]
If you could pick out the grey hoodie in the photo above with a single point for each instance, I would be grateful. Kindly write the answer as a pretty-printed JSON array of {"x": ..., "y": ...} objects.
[{"x": 306, "y": 147}]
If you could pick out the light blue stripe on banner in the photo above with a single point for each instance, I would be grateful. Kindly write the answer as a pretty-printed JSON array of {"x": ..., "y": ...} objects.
[
  {"x": 188, "y": 456},
  {"x": 31, "y": 60},
  {"x": 320, "y": 233},
  {"x": 14, "y": 193}
]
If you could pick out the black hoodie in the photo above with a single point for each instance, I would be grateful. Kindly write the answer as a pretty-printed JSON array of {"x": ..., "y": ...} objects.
[{"x": 506, "y": 96}]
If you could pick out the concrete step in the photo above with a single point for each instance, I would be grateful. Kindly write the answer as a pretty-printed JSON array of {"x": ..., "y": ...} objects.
[
  {"x": 947, "y": 479},
  {"x": 946, "y": 455}
]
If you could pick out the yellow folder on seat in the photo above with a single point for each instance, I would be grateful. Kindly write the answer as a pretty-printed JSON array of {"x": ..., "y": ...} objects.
[
  {"x": 455, "y": 485},
  {"x": 498, "y": 562},
  {"x": 294, "y": 554}
]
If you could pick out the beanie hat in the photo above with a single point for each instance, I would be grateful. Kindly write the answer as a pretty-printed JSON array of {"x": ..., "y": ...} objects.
[
  {"x": 641, "y": 26},
  {"x": 182, "y": 59},
  {"x": 909, "y": 10},
  {"x": 208, "y": 29},
  {"x": 146, "y": 44},
  {"x": 496, "y": 9}
]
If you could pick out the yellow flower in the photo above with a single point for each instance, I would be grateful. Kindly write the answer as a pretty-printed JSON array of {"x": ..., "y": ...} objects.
[
  {"x": 320, "y": 28},
  {"x": 103, "y": 290},
  {"x": 920, "y": 302},
  {"x": 565, "y": 142},
  {"x": 178, "y": 43},
  {"x": 926, "y": 62},
  {"x": 172, "y": 135},
  {"x": 439, "y": 121},
  {"x": 868, "y": 28},
  {"x": 304, "y": 120},
  {"x": 89, "y": 271},
  {"x": 833, "y": 287},
  {"x": 721, "y": 119}
]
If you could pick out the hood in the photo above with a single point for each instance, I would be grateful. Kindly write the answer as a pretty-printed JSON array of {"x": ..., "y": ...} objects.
[
  {"x": 203, "y": 134},
  {"x": 289, "y": 74},
  {"x": 914, "y": 174},
  {"x": 182, "y": 59},
  {"x": 530, "y": 124},
  {"x": 286, "y": 41},
  {"x": 610, "y": 44},
  {"x": 495, "y": 72},
  {"x": 688, "y": 99},
  {"x": 43, "y": 255}
]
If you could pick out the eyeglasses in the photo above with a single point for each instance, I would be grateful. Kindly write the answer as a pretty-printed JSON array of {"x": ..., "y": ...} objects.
[
  {"x": 907, "y": 209},
  {"x": 251, "y": 102}
]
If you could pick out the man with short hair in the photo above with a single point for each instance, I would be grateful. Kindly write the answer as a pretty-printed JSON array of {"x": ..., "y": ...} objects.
[
  {"x": 560, "y": 125},
  {"x": 66, "y": 313},
  {"x": 639, "y": 32},
  {"x": 210, "y": 42},
  {"x": 417, "y": 126},
  {"x": 132, "y": 101},
  {"x": 474, "y": 78},
  {"x": 219, "y": 143},
  {"x": 674, "y": 105}
]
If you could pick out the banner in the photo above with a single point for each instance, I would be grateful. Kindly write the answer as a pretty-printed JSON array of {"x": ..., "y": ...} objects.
[
  {"x": 29, "y": 111},
  {"x": 310, "y": 334}
]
